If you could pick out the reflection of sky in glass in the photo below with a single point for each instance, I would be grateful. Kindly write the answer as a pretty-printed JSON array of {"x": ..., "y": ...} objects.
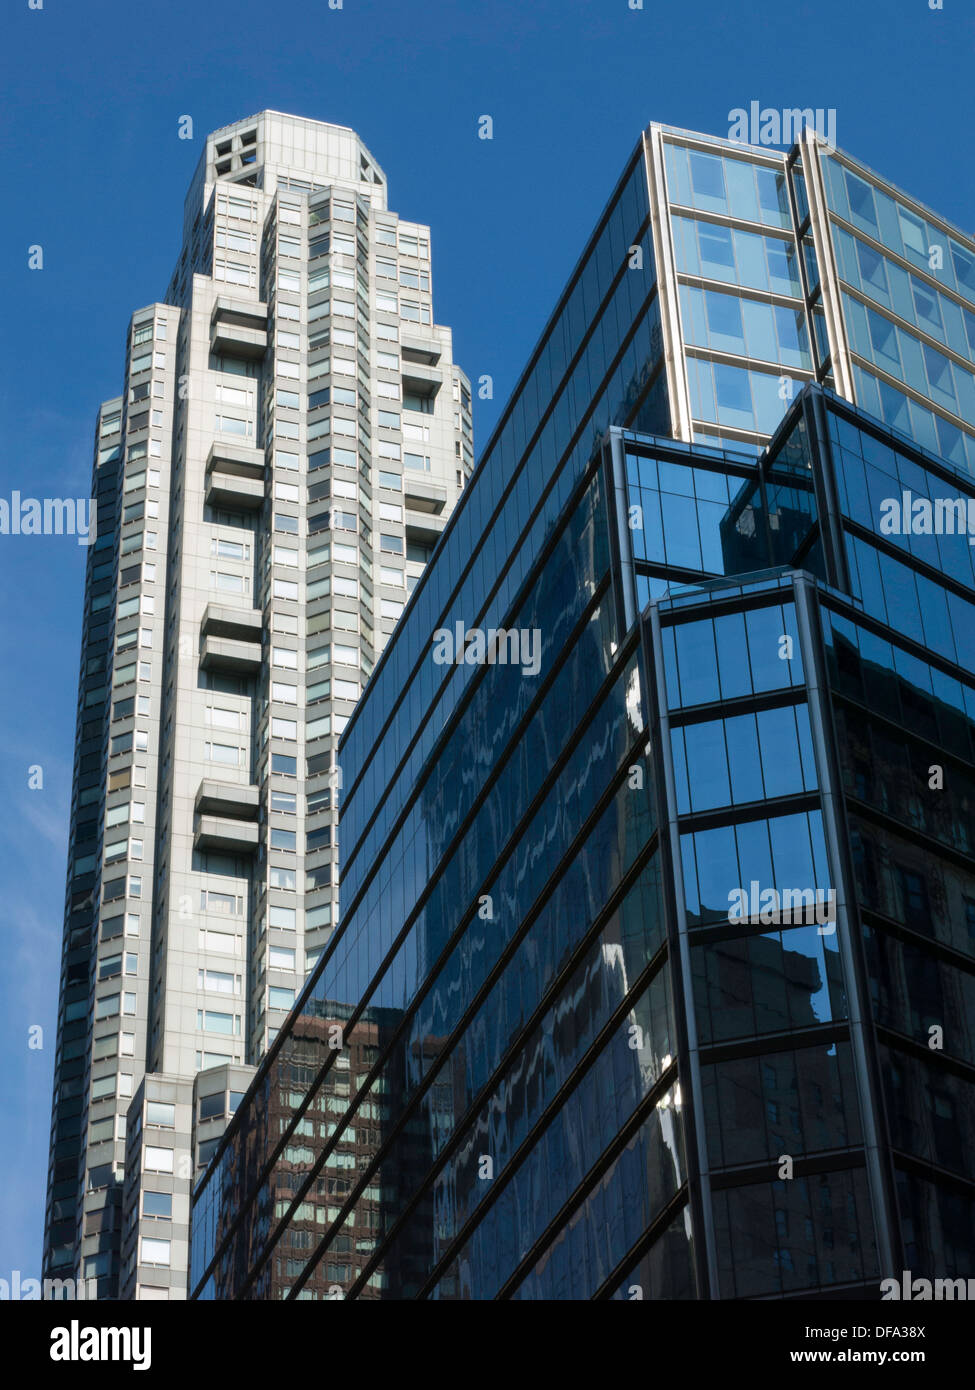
[{"x": 806, "y": 941}]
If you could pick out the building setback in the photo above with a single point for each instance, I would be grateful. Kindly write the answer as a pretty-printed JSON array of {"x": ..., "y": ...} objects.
[
  {"x": 292, "y": 436},
  {"x": 655, "y": 965}
]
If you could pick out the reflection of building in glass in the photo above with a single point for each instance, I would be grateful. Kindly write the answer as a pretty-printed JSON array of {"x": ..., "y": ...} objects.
[{"x": 597, "y": 1083}]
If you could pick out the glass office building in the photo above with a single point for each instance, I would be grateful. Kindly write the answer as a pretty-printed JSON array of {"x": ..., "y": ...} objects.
[
  {"x": 781, "y": 268},
  {"x": 657, "y": 931}
]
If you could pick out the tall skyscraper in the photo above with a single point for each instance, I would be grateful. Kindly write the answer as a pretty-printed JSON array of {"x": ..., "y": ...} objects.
[
  {"x": 291, "y": 438},
  {"x": 656, "y": 956}
]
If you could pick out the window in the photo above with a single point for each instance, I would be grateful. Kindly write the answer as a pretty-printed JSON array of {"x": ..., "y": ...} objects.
[
  {"x": 107, "y": 1006},
  {"x": 220, "y": 941},
  {"x": 212, "y": 1105},
  {"x": 319, "y": 838},
  {"x": 231, "y": 424},
  {"x": 205, "y": 1060},
  {"x": 225, "y": 753},
  {"x": 229, "y": 583},
  {"x": 283, "y": 839},
  {"x": 222, "y": 718},
  {"x": 211, "y": 1022},
  {"x": 154, "y": 1252},
  {"x": 229, "y": 904},
  {"x": 159, "y": 1160},
  {"x": 279, "y": 998},
  {"x": 217, "y": 982},
  {"x": 229, "y": 550},
  {"x": 236, "y": 241},
  {"x": 161, "y": 1113},
  {"x": 234, "y": 272},
  {"x": 158, "y": 1204},
  {"x": 281, "y": 958}
]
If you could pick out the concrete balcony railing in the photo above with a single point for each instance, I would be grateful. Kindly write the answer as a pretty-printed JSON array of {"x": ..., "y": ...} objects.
[
  {"x": 421, "y": 379},
  {"x": 226, "y": 457},
  {"x": 416, "y": 349},
  {"x": 233, "y": 492},
  {"x": 226, "y": 834},
  {"x": 239, "y": 800},
  {"x": 423, "y": 527},
  {"x": 235, "y": 477},
  {"x": 238, "y": 328},
  {"x": 221, "y": 620},
  {"x": 421, "y": 495},
  {"x": 230, "y": 654}
]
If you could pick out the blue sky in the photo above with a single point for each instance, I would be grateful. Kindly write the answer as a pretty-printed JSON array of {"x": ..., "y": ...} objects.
[{"x": 94, "y": 173}]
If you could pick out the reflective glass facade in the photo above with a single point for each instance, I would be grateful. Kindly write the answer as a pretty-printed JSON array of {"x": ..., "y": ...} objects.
[
  {"x": 651, "y": 944},
  {"x": 785, "y": 268},
  {"x": 745, "y": 307},
  {"x": 907, "y": 293},
  {"x": 664, "y": 929}
]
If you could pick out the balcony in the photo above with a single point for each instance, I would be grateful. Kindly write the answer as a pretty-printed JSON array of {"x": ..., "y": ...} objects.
[
  {"x": 424, "y": 529},
  {"x": 225, "y": 654},
  {"x": 226, "y": 816},
  {"x": 423, "y": 350},
  {"x": 235, "y": 477},
  {"x": 227, "y": 457},
  {"x": 234, "y": 493},
  {"x": 419, "y": 379},
  {"x": 226, "y": 834},
  {"x": 420, "y": 495},
  {"x": 238, "y": 328},
  {"x": 239, "y": 800},
  {"x": 245, "y": 624},
  {"x": 231, "y": 639}
]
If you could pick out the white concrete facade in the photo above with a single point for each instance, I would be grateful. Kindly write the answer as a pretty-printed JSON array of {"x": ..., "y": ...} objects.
[{"x": 294, "y": 434}]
